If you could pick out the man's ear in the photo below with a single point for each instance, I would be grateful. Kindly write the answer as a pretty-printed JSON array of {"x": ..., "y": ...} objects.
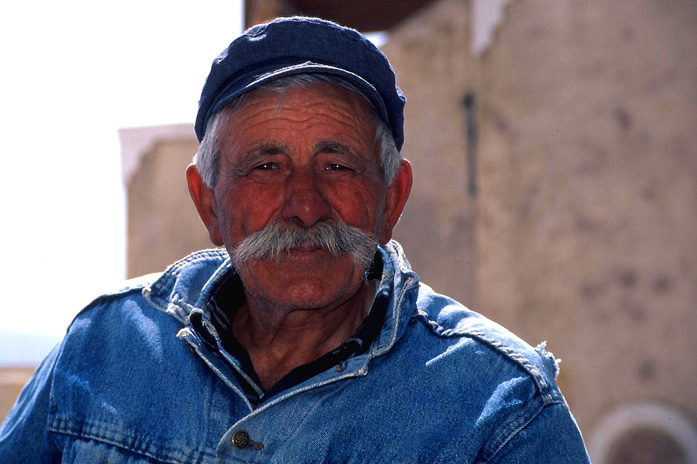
[
  {"x": 204, "y": 199},
  {"x": 397, "y": 195}
]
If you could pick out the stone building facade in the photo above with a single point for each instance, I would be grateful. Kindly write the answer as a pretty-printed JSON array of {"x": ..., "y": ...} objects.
[{"x": 162, "y": 222}]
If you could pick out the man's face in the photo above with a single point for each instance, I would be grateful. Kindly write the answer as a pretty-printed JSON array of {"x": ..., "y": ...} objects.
[{"x": 299, "y": 158}]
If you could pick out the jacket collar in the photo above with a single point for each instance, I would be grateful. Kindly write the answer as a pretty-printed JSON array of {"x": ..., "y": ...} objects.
[{"x": 188, "y": 285}]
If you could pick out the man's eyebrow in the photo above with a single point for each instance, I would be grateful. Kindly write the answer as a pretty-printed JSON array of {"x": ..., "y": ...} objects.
[
  {"x": 332, "y": 146},
  {"x": 262, "y": 149},
  {"x": 254, "y": 154}
]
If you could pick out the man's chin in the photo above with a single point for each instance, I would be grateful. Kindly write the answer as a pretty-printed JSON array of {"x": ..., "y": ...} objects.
[
  {"x": 311, "y": 279},
  {"x": 308, "y": 280}
]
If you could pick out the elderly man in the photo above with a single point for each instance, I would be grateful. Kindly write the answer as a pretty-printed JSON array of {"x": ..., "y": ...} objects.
[{"x": 308, "y": 339}]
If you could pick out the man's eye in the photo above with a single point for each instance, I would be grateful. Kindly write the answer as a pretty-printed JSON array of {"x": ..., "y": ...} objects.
[
  {"x": 337, "y": 167},
  {"x": 267, "y": 167}
]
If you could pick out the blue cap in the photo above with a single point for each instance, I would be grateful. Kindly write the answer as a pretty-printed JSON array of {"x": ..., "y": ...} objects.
[{"x": 300, "y": 45}]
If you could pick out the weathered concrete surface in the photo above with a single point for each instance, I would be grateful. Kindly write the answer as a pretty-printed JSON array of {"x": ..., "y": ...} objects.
[
  {"x": 588, "y": 212},
  {"x": 434, "y": 67},
  {"x": 162, "y": 225}
]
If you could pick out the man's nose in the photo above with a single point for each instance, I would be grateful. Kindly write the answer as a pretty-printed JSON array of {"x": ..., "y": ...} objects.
[{"x": 305, "y": 201}]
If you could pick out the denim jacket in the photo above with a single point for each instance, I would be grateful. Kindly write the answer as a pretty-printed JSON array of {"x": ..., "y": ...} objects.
[{"x": 135, "y": 382}]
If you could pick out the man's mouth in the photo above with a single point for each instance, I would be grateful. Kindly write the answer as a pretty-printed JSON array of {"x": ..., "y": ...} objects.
[{"x": 306, "y": 248}]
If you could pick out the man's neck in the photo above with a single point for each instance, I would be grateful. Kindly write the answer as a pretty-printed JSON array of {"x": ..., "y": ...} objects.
[{"x": 278, "y": 341}]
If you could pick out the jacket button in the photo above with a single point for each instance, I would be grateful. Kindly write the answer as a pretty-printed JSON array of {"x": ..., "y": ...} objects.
[{"x": 240, "y": 439}]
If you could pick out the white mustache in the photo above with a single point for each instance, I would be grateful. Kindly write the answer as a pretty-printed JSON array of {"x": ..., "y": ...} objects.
[{"x": 279, "y": 237}]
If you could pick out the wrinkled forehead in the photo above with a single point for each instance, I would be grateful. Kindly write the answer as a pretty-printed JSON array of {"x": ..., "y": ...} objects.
[{"x": 311, "y": 107}]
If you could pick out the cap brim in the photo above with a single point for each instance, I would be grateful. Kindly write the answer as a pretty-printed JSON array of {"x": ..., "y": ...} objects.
[{"x": 235, "y": 89}]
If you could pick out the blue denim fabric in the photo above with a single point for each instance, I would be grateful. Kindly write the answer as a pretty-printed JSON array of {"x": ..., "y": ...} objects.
[{"x": 134, "y": 382}]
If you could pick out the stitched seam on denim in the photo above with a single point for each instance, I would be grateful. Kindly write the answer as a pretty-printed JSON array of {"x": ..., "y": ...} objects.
[
  {"x": 271, "y": 403},
  {"x": 307, "y": 411},
  {"x": 229, "y": 360},
  {"x": 232, "y": 362},
  {"x": 508, "y": 430},
  {"x": 186, "y": 334},
  {"x": 53, "y": 437},
  {"x": 411, "y": 281},
  {"x": 548, "y": 395},
  {"x": 207, "y": 323},
  {"x": 172, "y": 272},
  {"x": 178, "y": 308},
  {"x": 401, "y": 257},
  {"x": 408, "y": 286},
  {"x": 516, "y": 356},
  {"x": 84, "y": 430},
  {"x": 513, "y": 428},
  {"x": 196, "y": 256}
]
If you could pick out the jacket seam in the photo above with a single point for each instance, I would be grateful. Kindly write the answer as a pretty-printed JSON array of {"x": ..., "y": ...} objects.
[
  {"x": 512, "y": 428},
  {"x": 531, "y": 370},
  {"x": 80, "y": 430},
  {"x": 172, "y": 272},
  {"x": 409, "y": 286},
  {"x": 153, "y": 293}
]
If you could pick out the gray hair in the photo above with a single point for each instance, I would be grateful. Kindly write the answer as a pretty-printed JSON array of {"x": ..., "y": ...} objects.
[{"x": 206, "y": 159}]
